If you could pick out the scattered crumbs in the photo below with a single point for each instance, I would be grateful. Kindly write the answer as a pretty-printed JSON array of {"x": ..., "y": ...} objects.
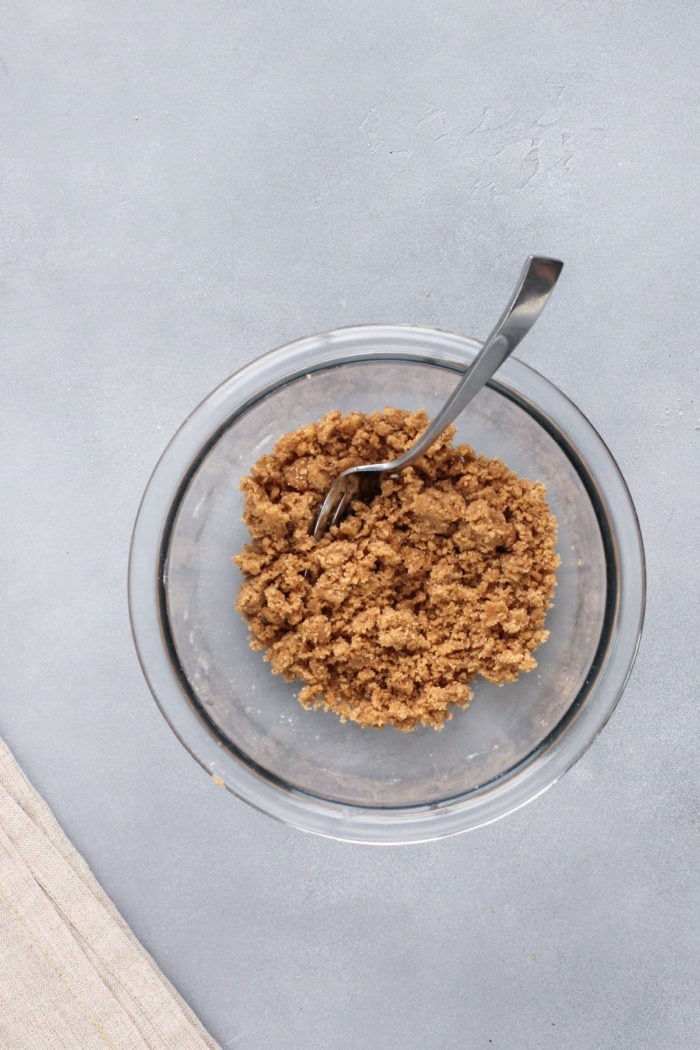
[
  {"x": 532, "y": 956},
  {"x": 217, "y": 780},
  {"x": 492, "y": 910},
  {"x": 447, "y": 574}
]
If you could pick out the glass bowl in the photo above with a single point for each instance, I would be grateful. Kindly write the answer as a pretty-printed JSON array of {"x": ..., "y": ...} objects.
[{"x": 243, "y": 724}]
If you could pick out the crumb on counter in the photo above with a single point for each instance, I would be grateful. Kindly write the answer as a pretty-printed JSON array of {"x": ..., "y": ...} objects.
[{"x": 386, "y": 620}]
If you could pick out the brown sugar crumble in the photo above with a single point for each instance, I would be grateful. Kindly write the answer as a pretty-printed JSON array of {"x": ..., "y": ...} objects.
[{"x": 446, "y": 575}]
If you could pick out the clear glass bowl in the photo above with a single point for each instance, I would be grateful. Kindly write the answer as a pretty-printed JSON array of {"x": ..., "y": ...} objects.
[{"x": 244, "y": 725}]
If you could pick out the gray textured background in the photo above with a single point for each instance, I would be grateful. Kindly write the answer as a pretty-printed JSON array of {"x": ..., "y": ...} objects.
[{"x": 188, "y": 185}]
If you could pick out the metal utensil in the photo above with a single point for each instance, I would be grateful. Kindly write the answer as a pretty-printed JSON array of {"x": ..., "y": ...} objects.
[{"x": 534, "y": 287}]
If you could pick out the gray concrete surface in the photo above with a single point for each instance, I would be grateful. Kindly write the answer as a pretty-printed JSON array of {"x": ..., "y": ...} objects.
[{"x": 188, "y": 185}]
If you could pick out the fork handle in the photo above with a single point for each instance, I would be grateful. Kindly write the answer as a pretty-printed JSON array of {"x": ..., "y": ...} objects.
[{"x": 536, "y": 282}]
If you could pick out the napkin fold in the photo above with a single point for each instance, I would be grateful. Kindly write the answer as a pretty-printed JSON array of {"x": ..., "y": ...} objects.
[{"x": 72, "y": 974}]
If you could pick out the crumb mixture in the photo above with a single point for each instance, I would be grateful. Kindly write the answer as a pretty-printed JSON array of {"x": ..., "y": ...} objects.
[{"x": 446, "y": 575}]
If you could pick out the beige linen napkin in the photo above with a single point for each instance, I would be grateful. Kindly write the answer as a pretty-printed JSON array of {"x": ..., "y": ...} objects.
[{"x": 72, "y": 974}]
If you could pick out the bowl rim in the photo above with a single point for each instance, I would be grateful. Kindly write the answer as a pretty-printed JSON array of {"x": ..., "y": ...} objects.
[{"x": 565, "y": 743}]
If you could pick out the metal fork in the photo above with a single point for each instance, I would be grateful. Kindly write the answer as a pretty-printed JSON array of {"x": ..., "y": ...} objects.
[{"x": 534, "y": 287}]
